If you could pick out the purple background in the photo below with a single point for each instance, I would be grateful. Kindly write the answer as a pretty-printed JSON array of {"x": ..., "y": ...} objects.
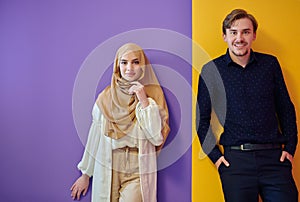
[{"x": 42, "y": 46}]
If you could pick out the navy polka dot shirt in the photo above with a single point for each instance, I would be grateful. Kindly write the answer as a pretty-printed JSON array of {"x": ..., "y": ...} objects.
[{"x": 251, "y": 103}]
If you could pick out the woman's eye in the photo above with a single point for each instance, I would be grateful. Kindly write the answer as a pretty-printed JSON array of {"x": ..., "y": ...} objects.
[
  {"x": 136, "y": 62},
  {"x": 123, "y": 62}
]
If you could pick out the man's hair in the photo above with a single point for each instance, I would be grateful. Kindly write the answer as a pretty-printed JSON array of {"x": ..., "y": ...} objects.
[{"x": 237, "y": 14}]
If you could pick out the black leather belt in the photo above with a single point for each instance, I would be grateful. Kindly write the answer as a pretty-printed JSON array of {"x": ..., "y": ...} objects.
[{"x": 253, "y": 147}]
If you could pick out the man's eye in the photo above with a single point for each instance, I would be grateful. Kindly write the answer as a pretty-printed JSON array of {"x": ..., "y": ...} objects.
[{"x": 233, "y": 33}]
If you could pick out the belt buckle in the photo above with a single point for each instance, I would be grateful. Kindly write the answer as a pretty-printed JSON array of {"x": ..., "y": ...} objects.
[{"x": 244, "y": 149}]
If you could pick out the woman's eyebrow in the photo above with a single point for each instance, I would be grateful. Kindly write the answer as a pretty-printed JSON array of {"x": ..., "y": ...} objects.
[{"x": 124, "y": 60}]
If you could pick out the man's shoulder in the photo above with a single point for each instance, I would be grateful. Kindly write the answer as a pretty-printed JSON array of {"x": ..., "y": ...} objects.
[
  {"x": 214, "y": 66},
  {"x": 217, "y": 61},
  {"x": 260, "y": 55}
]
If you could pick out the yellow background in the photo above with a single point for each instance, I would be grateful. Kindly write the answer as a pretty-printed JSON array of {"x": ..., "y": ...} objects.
[{"x": 278, "y": 34}]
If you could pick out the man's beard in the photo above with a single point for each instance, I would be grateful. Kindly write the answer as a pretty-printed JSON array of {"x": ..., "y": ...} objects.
[{"x": 239, "y": 55}]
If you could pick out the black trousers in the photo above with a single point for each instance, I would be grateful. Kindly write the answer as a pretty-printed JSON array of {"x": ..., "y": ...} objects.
[{"x": 254, "y": 173}]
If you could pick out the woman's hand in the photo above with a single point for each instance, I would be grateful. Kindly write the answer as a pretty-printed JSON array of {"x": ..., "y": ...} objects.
[
  {"x": 80, "y": 185},
  {"x": 138, "y": 89}
]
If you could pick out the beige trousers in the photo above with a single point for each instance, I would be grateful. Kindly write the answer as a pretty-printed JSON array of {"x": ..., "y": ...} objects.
[{"x": 125, "y": 185}]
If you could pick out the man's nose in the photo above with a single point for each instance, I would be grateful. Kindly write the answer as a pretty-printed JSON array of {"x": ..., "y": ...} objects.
[{"x": 239, "y": 36}]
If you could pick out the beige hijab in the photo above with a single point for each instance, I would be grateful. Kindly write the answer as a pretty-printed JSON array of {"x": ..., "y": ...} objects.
[{"x": 118, "y": 106}]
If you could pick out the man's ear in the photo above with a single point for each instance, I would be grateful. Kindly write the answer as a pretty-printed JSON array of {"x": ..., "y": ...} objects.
[
  {"x": 224, "y": 36},
  {"x": 254, "y": 36}
]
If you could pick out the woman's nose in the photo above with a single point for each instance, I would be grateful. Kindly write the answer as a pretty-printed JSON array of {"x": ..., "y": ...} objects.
[{"x": 129, "y": 65}]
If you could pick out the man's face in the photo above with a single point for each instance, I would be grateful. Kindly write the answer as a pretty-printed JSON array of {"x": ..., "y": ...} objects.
[{"x": 239, "y": 38}]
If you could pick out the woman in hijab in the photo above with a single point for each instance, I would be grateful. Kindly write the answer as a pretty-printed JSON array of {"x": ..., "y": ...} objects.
[{"x": 130, "y": 125}]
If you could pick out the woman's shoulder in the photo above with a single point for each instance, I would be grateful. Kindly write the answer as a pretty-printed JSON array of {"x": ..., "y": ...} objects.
[
  {"x": 103, "y": 95},
  {"x": 97, "y": 113},
  {"x": 105, "y": 91}
]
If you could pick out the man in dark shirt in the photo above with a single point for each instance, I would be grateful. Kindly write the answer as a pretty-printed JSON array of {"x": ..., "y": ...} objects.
[{"x": 247, "y": 92}]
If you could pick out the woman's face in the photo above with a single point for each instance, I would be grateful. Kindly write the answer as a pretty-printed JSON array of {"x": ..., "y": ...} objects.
[{"x": 130, "y": 67}]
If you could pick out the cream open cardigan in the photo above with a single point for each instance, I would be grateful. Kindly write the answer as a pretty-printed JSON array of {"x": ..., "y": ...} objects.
[{"x": 97, "y": 157}]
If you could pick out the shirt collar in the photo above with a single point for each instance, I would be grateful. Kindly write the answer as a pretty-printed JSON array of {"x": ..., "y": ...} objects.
[{"x": 229, "y": 61}]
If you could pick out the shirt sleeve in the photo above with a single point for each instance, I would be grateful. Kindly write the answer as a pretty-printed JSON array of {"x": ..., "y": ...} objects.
[
  {"x": 150, "y": 121},
  {"x": 87, "y": 163},
  {"x": 206, "y": 137},
  {"x": 285, "y": 111}
]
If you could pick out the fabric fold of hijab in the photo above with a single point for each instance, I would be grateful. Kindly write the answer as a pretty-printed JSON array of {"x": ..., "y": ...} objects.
[{"x": 118, "y": 105}]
